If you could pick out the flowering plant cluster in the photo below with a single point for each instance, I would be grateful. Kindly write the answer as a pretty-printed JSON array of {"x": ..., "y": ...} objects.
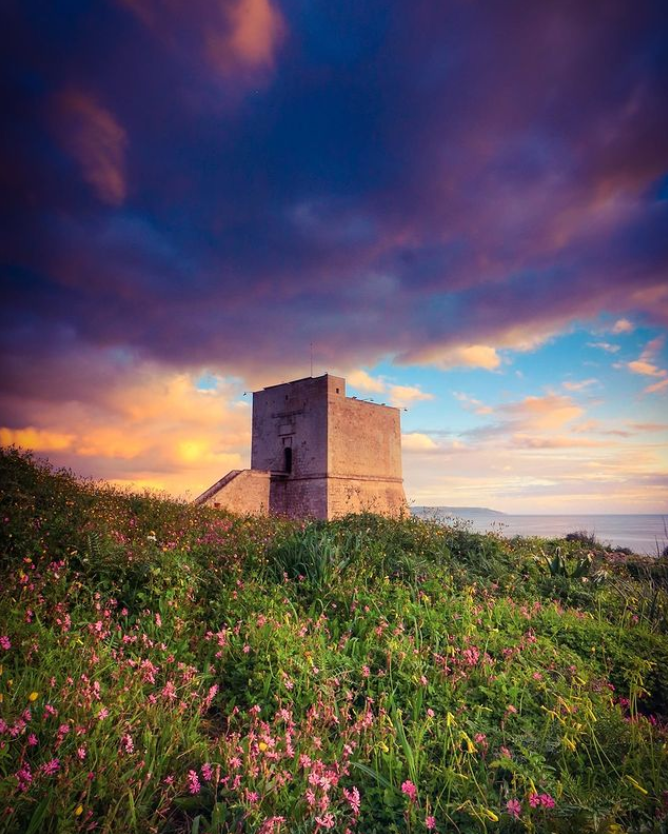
[{"x": 165, "y": 668}]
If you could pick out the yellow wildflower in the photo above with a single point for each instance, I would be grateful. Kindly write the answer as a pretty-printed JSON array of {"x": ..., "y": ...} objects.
[
  {"x": 33, "y": 696},
  {"x": 78, "y": 811},
  {"x": 262, "y": 746},
  {"x": 450, "y": 720}
]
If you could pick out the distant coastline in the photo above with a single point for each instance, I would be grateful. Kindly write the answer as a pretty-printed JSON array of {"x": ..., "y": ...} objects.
[
  {"x": 644, "y": 533},
  {"x": 422, "y": 511}
]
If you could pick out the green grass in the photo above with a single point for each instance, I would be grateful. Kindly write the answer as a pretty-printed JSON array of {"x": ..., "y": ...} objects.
[{"x": 167, "y": 668}]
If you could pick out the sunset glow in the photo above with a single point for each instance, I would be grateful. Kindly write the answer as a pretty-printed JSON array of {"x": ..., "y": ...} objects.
[{"x": 462, "y": 208}]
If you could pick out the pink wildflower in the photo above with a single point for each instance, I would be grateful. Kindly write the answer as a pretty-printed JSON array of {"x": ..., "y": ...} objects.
[
  {"x": 32, "y": 740},
  {"x": 24, "y": 778},
  {"x": 5, "y": 643},
  {"x": 430, "y": 823},
  {"x": 514, "y": 808},
  {"x": 534, "y": 800},
  {"x": 193, "y": 782},
  {"x": 207, "y": 772},
  {"x": 410, "y": 790},
  {"x": 353, "y": 797},
  {"x": 328, "y": 821},
  {"x": 51, "y": 767}
]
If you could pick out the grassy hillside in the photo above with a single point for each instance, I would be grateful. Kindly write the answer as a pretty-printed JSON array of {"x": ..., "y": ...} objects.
[{"x": 173, "y": 669}]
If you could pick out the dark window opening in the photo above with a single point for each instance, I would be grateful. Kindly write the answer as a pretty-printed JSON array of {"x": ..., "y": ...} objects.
[
  {"x": 287, "y": 456},
  {"x": 337, "y": 390}
]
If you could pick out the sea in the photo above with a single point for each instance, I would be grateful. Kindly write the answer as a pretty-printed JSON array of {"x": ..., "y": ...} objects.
[{"x": 643, "y": 534}]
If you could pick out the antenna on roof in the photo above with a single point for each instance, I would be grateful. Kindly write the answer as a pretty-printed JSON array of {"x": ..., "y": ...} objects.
[{"x": 311, "y": 358}]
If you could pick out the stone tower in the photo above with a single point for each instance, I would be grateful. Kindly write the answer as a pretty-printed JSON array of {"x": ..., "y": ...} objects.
[{"x": 316, "y": 453}]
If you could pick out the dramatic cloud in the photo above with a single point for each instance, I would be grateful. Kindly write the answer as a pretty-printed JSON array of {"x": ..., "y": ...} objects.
[
  {"x": 146, "y": 428},
  {"x": 220, "y": 184}
]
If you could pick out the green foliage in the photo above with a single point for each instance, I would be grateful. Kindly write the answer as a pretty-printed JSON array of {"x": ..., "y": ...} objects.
[{"x": 167, "y": 668}]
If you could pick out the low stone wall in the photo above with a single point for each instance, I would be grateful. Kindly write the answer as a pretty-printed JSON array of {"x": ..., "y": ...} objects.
[{"x": 247, "y": 493}]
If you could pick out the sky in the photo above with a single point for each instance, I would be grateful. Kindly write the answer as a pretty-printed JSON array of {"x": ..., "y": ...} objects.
[{"x": 461, "y": 206}]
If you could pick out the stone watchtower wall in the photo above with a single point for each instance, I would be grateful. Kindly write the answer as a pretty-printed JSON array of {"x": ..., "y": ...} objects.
[{"x": 325, "y": 454}]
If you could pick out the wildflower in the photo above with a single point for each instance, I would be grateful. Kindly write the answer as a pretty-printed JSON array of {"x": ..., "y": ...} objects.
[
  {"x": 327, "y": 821},
  {"x": 262, "y": 746},
  {"x": 127, "y": 744},
  {"x": 78, "y": 811},
  {"x": 514, "y": 808},
  {"x": 353, "y": 797},
  {"x": 207, "y": 772},
  {"x": 410, "y": 790},
  {"x": 430, "y": 823},
  {"x": 32, "y": 740},
  {"x": 51, "y": 767},
  {"x": 24, "y": 778},
  {"x": 547, "y": 801},
  {"x": 33, "y": 697},
  {"x": 5, "y": 643},
  {"x": 193, "y": 782}
]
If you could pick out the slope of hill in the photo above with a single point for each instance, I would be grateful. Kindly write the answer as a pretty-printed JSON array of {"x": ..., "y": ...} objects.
[{"x": 167, "y": 668}]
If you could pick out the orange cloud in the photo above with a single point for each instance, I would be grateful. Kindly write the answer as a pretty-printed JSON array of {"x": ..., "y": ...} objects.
[
  {"x": 151, "y": 428},
  {"x": 658, "y": 386},
  {"x": 362, "y": 380},
  {"x": 646, "y": 366},
  {"x": 417, "y": 442},
  {"x": 39, "y": 440},
  {"x": 92, "y": 135},
  {"x": 464, "y": 356},
  {"x": 549, "y": 412},
  {"x": 400, "y": 396}
]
